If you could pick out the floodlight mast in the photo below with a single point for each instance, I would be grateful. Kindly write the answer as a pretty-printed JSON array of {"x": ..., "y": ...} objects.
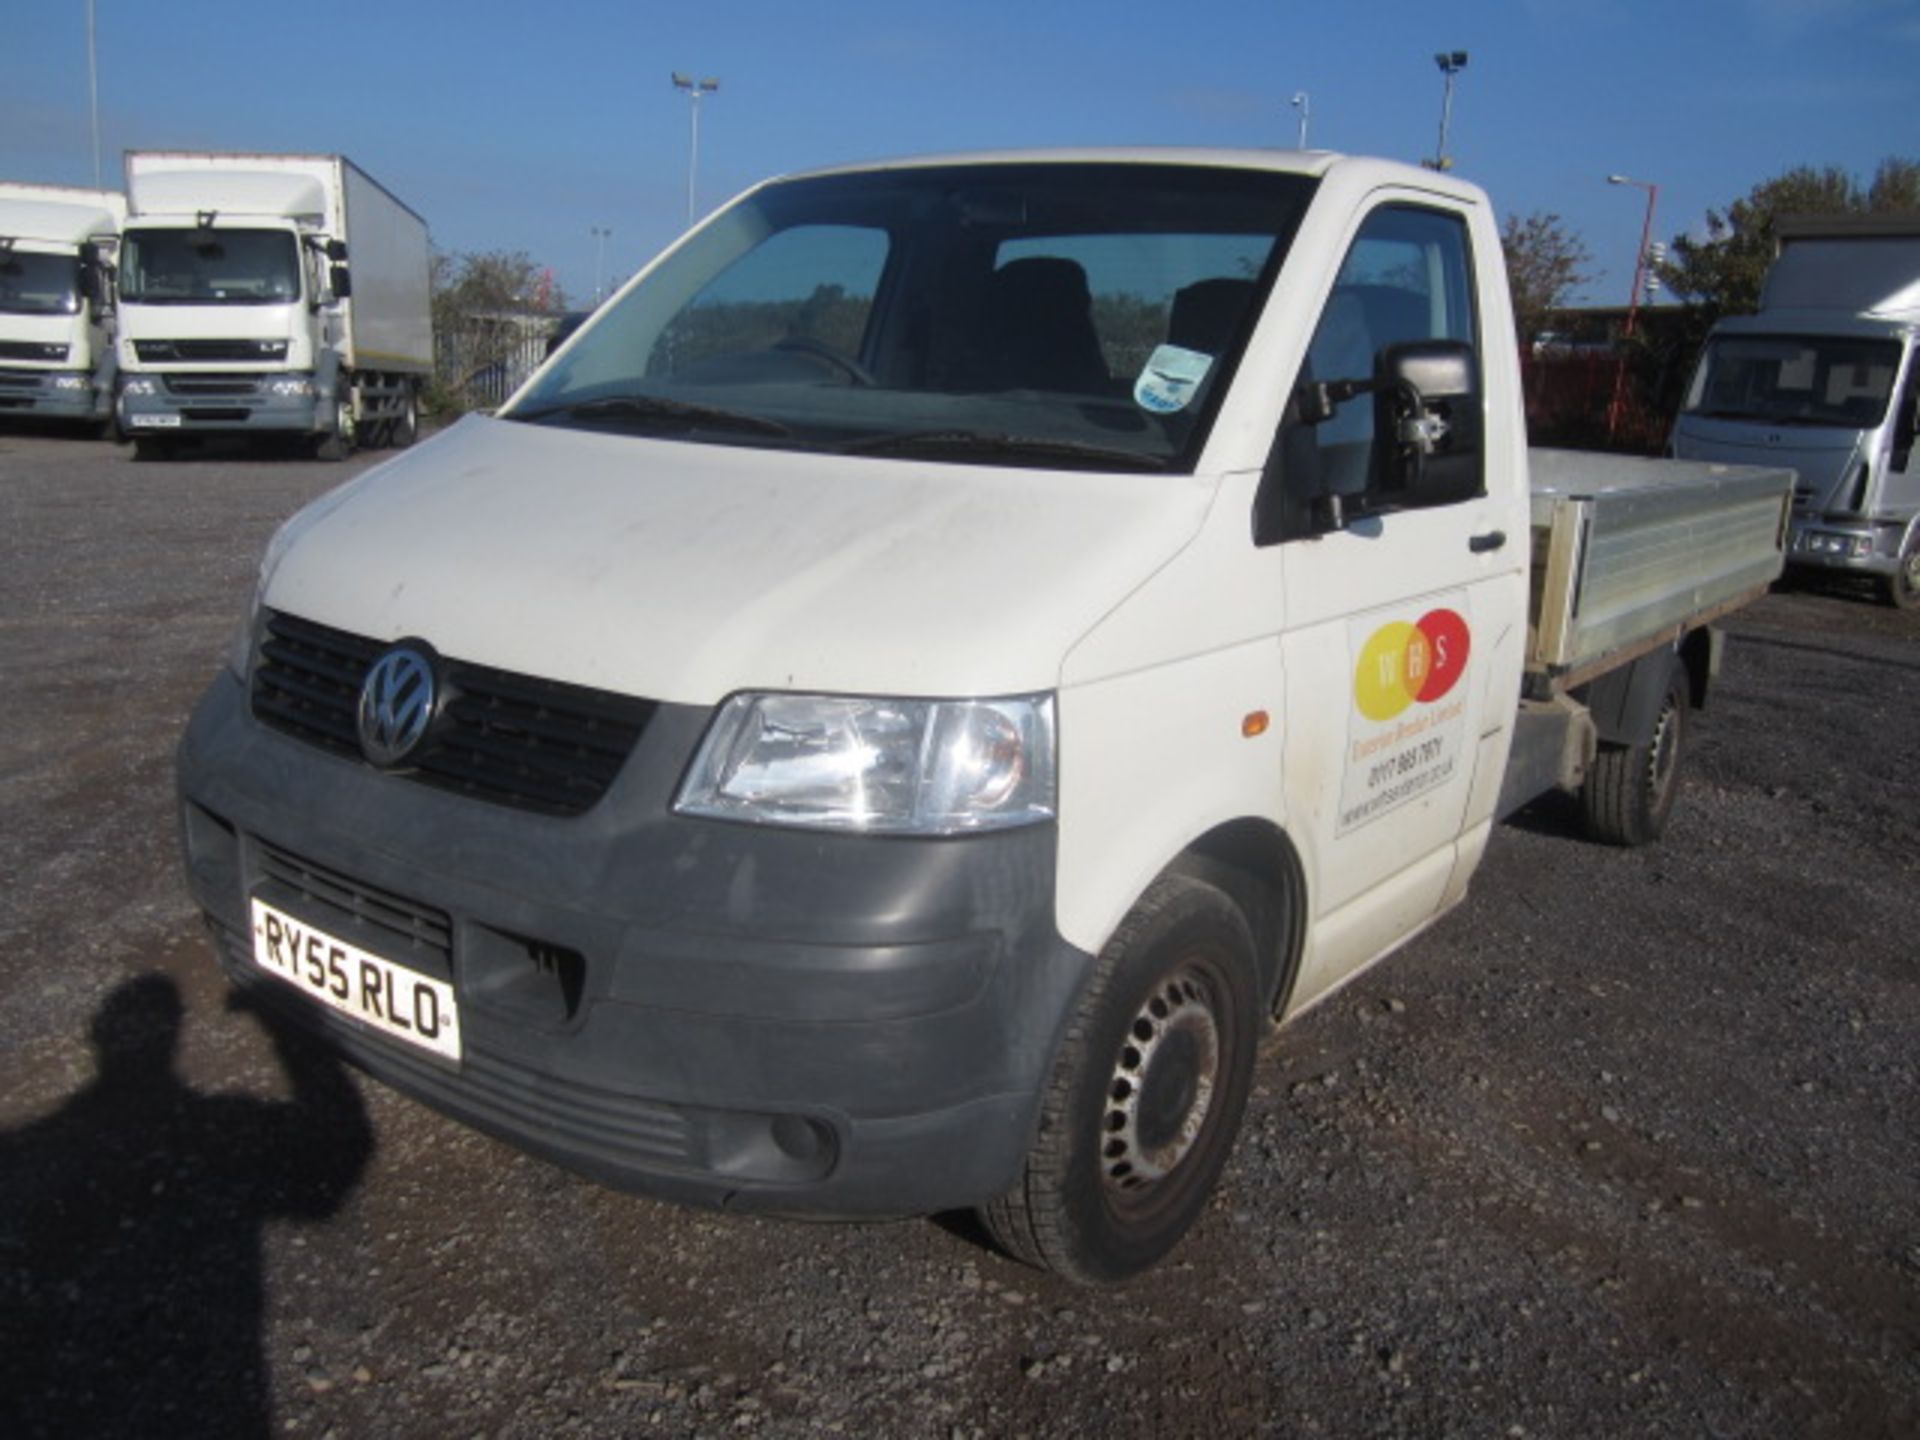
[
  {"x": 695, "y": 89},
  {"x": 1304, "y": 104},
  {"x": 1451, "y": 63}
]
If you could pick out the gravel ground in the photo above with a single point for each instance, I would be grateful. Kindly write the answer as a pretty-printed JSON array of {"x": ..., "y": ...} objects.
[{"x": 1625, "y": 1146}]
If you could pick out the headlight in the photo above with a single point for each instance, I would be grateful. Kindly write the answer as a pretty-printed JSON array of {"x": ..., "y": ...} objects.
[
  {"x": 71, "y": 382},
  {"x": 297, "y": 386},
  {"x": 898, "y": 767},
  {"x": 139, "y": 385}
]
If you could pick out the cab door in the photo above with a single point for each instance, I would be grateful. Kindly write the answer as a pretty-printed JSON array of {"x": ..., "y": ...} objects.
[{"x": 1398, "y": 640}]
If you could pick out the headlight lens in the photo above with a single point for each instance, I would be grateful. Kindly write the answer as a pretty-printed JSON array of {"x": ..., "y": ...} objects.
[
  {"x": 885, "y": 766},
  {"x": 138, "y": 385},
  {"x": 295, "y": 386},
  {"x": 71, "y": 382}
]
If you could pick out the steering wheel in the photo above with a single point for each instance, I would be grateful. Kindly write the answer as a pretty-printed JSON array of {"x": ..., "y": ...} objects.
[{"x": 827, "y": 356}]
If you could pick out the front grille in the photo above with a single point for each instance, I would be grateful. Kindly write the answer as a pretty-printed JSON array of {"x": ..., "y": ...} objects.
[
  {"x": 22, "y": 379},
  {"x": 31, "y": 350},
  {"x": 386, "y": 923},
  {"x": 509, "y": 739},
  {"x": 158, "y": 352},
  {"x": 190, "y": 385}
]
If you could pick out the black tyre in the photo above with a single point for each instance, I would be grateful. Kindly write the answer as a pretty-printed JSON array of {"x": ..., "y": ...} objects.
[
  {"x": 338, "y": 443},
  {"x": 1146, "y": 1093},
  {"x": 406, "y": 429},
  {"x": 1902, "y": 588},
  {"x": 1630, "y": 790}
]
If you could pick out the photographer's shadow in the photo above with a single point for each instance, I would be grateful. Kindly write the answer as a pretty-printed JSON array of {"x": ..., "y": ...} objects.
[{"x": 130, "y": 1230}]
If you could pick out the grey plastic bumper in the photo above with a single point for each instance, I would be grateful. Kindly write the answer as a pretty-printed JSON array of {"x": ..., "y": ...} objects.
[
  {"x": 771, "y": 1019},
  {"x": 254, "y": 408}
]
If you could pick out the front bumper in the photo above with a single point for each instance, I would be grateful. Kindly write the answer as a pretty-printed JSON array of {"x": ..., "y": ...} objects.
[
  {"x": 50, "y": 395},
  {"x": 1849, "y": 547},
  {"x": 709, "y": 1012},
  {"x": 210, "y": 403}
]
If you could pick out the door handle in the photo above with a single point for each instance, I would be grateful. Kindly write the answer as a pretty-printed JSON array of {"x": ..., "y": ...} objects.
[{"x": 1492, "y": 540}]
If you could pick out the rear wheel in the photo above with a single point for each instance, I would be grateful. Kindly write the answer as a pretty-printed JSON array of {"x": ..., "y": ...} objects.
[
  {"x": 406, "y": 428},
  {"x": 1146, "y": 1093},
  {"x": 1629, "y": 793}
]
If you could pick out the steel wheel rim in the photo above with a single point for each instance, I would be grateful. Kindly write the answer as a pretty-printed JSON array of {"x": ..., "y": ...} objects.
[
  {"x": 1162, "y": 1087},
  {"x": 1664, "y": 751}
]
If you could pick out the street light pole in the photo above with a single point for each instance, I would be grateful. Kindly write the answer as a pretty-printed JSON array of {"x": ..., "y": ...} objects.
[
  {"x": 93, "y": 91},
  {"x": 1615, "y": 410},
  {"x": 695, "y": 89},
  {"x": 1451, "y": 63},
  {"x": 1304, "y": 104},
  {"x": 600, "y": 234}
]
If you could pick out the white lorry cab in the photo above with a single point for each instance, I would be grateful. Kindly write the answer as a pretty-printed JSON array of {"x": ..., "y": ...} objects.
[
  {"x": 892, "y": 712},
  {"x": 270, "y": 296},
  {"x": 56, "y": 302},
  {"x": 1823, "y": 379}
]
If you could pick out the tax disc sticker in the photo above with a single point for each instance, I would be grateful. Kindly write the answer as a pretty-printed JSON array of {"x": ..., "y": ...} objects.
[{"x": 1171, "y": 379}]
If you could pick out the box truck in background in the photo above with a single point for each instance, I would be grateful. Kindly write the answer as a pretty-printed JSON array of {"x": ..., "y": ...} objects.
[
  {"x": 56, "y": 308},
  {"x": 1822, "y": 378},
  {"x": 270, "y": 295}
]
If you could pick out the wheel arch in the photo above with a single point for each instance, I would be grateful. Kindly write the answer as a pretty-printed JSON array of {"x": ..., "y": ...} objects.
[{"x": 1255, "y": 863}]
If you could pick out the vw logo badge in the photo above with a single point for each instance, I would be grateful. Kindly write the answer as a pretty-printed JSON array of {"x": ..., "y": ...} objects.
[{"x": 396, "y": 704}]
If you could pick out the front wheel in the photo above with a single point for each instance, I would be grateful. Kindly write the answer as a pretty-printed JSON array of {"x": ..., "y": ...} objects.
[
  {"x": 338, "y": 443},
  {"x": 1146, "y": 1092},
  {"x": 1902, "y": 588}
]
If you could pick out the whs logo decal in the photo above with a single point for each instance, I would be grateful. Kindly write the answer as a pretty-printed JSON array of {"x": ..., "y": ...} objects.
[
  {"x": 1407, "y": 735},
  {"x": 1402, "y": 663}
]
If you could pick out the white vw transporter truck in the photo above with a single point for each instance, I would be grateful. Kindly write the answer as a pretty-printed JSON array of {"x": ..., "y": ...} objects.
[
  {"x": 56, "y": 302},
  {"x": 1824, "y": 378},
  {"x": 270, "y": 295},
  {"x": 889, "y": 715}
]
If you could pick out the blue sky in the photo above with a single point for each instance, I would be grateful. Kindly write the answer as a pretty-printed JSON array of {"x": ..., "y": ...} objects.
[{"x": 522, "y": 127}]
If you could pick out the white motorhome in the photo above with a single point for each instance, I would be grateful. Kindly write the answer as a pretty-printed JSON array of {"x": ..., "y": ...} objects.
[
  {"x": 270, "y": 295},
  {"x": 1823, "y": 378},
  {"x": 56, "y": 301},
  {"x": 890, "y": 713}
]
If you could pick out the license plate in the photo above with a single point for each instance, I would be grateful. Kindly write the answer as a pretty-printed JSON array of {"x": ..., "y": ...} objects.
[
  {"x": 391, "y": 998},
  {"x": 154, "y": 422}
]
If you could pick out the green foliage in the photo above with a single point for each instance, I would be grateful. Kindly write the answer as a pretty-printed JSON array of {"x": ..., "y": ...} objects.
[
  {"x": 1546, "y": 263},
  {"x": 491, "y": 314},
  {"x": 1722, "y": 273}
]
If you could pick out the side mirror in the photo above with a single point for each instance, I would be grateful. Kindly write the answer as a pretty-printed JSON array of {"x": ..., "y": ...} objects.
[
  {"x": 336, "y": 250},
  {"x": 341, "y": 279},
  {"x": 1427, "y": 420}
]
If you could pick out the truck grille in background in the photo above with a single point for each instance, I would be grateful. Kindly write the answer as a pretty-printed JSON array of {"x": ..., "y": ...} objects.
[
  {"x": 510, "y": 739},
  {"x": 403, "y": 927},
  {"x": 156, "y": 352},
  {"x": 31, "y": 350},
  {"x": 212, "y": 384}
]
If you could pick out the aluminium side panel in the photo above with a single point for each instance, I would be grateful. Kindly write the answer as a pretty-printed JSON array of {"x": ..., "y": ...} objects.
[{"x": 1631, "y": 549}]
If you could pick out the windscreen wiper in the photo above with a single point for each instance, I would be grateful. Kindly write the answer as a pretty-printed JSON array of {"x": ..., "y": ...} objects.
[
  {"x": 682, "y": 413},
  {"x": 994, "y": 445}
]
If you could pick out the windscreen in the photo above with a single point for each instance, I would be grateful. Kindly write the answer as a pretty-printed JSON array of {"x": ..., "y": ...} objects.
[
  {"x": 1795, "y": 380},
  {"x": 1053, "y": 315},
  {"x": 207, "y": 266},
  {"x": 33, "y": 284}
]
